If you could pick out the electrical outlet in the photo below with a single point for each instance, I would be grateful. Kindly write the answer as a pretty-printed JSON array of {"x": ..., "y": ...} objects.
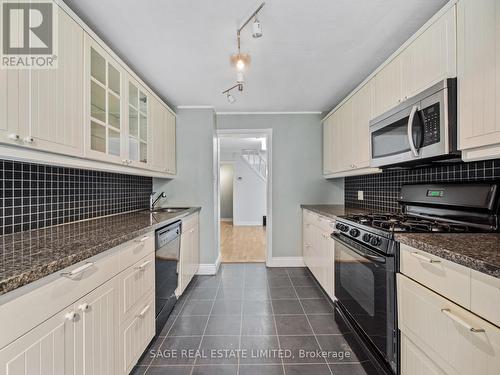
[{"x": 360, "y": 195}]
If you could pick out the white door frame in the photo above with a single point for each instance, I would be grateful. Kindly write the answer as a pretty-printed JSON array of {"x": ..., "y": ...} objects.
[{"x": 247, "y": 133}]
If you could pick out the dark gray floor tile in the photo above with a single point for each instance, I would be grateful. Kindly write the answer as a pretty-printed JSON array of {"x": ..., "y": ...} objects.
[
  {"x": 311, "y": 369},
  {"x": 170, "y": 370},
  {"x": 226, "y": 307},
  {"x": 232, "y": 270},
  {"x": 279, "y": 281},
  {"x": 188, "y": 326},
  {"x": 338, "y": 344},
  {"x": 303, "y": 281},
  {"x": 175, "y": 351},
  {"x": 287, "y": 306},
  {"x": 365, "y": 368},
  {"x": 233, "y": 282},
  {"x": 224, "y": 349},
  {"x": 138, "y": 370},
  {"x": 316, "y": 306},
  {"x": 229, "y": 293},
  {"x": 207, "y": 282},
  {"x": 260, "y": 349},
  {"x": 326, "y": 325},
  {"x": 168, "y": 325},
  {"x": 223, "y": 325},
  {"x": 196, "y": 307},
  {"x": 255, "y": 282},
  {"x": 298, "y": 271},
  {"x": 203, "y": 294},
  {"x": 257, "y": 308},
  {"x": 299, "y": 345},
  {"x": 258, "y": 325},
  {"x": 177, "y": 308},
  {"x": 276, "y": 271},
  {"x": 261, "y": 370},
  {"x": 148, "y": 355},
  {"x": 215, "y": 370},
  {"x": 256, "y": 294},
  {"x": 292, "y": 325},
  {"x": 306, "y": 292},
  {"x": 286, "y": 292}
]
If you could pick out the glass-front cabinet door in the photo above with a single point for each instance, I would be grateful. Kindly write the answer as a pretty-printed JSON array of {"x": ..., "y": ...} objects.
[
  {"x": 105, "y": 125},
  {"x": 138, "y": 125}
]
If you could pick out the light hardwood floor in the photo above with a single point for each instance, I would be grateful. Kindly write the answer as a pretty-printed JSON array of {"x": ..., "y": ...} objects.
[{"x": 241, "y": 244}]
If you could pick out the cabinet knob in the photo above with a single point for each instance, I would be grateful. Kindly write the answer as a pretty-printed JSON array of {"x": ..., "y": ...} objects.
[
  {"x": 84, "y": 307},
  {"x": 71, "y": 316},
  {"x": 13, "y": 137},
  {"x": 29, "y": 139}
]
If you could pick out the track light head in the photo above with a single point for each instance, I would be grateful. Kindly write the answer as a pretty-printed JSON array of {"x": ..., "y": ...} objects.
[
  {"x": 256, "y": 29},
  {"x": 231, "y": 99}
]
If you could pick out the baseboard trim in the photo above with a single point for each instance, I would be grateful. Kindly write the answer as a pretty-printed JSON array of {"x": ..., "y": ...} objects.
[
  {"x": 247, "y": 223},
  {"x": 226, "y": 219},
  {"x": 286, "y": 262},
  {"x": 209, "y": 268}
]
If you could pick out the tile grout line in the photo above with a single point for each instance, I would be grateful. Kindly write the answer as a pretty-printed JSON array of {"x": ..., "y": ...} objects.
[
  {"x": 241, "y": 319},
  {"x": 208, "y": 319},
  {"x": 274, "y": 320},
  {"x": 310, "y": 325}
]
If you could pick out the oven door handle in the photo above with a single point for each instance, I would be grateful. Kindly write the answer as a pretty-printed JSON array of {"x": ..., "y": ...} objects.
[
  {"x": 373, "y": 258},
  {"x": 413, "y": 148}
]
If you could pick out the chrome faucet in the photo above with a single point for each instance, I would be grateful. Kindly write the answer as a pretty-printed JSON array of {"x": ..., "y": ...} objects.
[{"x": 153, "y": 201}]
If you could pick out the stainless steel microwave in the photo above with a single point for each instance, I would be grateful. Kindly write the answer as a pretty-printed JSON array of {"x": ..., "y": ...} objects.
[{"x": 420, "y": 129}]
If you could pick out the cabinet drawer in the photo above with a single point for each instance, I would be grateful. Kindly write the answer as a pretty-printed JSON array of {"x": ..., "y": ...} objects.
[
  {"x": 450, "y": 335},
  {"x": 135, "y": 250},
  {"x": 442, "y": 276},
  {"x": 485, "y": 296},
  {"x": 136, "y": 333},
  {"x": 189, "y": 222},
  {"x": 415, "y": 362},
  {"x": 135, "y": 282},
  {"x": 53, "y": 293}
]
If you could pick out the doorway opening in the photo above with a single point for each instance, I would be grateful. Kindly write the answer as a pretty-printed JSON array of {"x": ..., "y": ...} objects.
[{"x": 243, "y": 192}]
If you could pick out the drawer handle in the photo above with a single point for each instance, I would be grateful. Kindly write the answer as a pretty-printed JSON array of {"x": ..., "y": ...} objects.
[
  {"x": 78, "y": 270},
  {"x": 460, "y": 321},
  {"x": 71, "y": 316},
  {"x": 424, "y": 258},
  {"x": 145, "y": 238},
  {"x": 307, "y": 245},
  {"x": 144, "y": 311},
  {"x": 143, "y": 266},
  {"x": 84, "y": 307}
]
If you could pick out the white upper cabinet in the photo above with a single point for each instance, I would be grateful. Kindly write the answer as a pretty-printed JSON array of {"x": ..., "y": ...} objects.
[
  {"x": 327, "y": 145},
  {"x": 14, "y": 105},
  {"x": 387, "y": 87},
  {"x": 360, "y": 133},
  {"x": 138, "y": 130},
  {"x": 479, "y": 78},
  {"x": 431, "y": 57},
  {"x": 104, "y": 100},
  {"x": 57, "y": 96},
  {"x": 163, "y": 143}
]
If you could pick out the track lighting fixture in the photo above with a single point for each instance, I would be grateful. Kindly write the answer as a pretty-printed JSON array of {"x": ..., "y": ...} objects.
[
  {"x": 240, "y": 77},
  {"x": 256, "y": 29},
  {"x": 231, "y": 99}
]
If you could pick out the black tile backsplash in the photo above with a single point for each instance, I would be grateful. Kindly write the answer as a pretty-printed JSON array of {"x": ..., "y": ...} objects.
[
  {"x": 381, "y": 190},
  {"x": 35, "y": 196}
]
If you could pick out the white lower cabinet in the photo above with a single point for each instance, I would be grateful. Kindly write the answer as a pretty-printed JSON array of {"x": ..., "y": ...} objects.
[
  {"x": 454, "y": 340},
  {"x": 319, "y": 249},
  {"x": 189, "y": 253},
  {"x": 104, "y": 329}
]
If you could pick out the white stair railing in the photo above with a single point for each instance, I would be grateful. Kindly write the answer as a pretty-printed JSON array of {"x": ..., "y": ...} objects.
[{"x": 256, "y": 161}]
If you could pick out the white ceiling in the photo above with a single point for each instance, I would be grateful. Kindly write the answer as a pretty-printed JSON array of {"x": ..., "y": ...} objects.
[{"x": 312, "y": 54}]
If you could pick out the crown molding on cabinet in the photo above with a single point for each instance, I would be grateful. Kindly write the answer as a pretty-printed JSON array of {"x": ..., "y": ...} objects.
[{"x": 271, "y": 113}]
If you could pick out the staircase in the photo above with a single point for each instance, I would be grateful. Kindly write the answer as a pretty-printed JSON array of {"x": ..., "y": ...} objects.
[{"x": 256, "y": 162}]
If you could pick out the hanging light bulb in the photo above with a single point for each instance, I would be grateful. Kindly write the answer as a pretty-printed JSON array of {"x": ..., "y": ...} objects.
[
  {"x": 240, "y": 64},
  {"x": 256, "y": 29},
  {"x": 240, "y": 60}
]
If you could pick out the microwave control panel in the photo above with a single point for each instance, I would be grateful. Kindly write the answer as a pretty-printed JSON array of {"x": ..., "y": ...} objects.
[{"x": 431, "y": 117}]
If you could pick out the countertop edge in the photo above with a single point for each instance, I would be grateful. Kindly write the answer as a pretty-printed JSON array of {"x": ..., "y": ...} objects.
[{"x": 38, "y": 273}]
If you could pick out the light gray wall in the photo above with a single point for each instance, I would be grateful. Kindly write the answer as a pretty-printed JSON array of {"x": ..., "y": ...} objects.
[
  {"x": 193, "y": 185},
  {"x": 297, "y": 159},
  {"x": 226, "y": 191}
]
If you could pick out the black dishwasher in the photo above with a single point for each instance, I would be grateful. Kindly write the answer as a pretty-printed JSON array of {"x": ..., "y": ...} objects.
[{"x": 167, "y": 247}]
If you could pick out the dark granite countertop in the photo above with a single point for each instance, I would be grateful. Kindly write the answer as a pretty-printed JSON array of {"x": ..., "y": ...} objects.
[
  {"x": 332, "y": 210},
  {"x": 478, "y": 251},
  {"x": 29, "y": 256}
]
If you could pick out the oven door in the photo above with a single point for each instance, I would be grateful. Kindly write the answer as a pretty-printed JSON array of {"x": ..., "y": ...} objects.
[{"x": 365, "y": 286}]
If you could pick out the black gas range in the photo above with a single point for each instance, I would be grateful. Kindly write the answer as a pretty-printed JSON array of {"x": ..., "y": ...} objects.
[{"x": 366, "y": 254}]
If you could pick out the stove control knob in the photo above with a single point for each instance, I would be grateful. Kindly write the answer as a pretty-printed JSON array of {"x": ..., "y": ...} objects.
[
  {"x": 375, "y": 241},
  {"x": 338, "y": 226},
  {"x": 354, "y": 232},
  {"x": 344, "y": 228},
  {"x": 366, "y": 237}
]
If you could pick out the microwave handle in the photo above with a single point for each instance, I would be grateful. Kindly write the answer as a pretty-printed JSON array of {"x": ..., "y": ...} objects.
[{"x": 413, "y": 112}]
